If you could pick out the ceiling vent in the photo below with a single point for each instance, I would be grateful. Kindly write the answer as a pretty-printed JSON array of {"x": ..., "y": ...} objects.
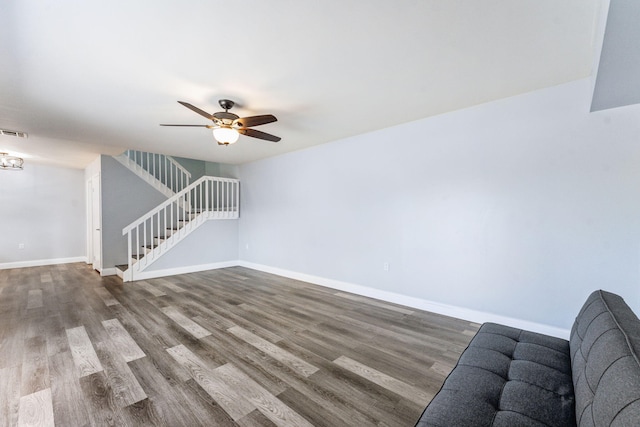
[{"x": 13, "y": 133}]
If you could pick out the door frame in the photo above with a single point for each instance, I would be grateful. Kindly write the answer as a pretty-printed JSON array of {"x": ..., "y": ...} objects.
[{"x": 94, "y": 222}]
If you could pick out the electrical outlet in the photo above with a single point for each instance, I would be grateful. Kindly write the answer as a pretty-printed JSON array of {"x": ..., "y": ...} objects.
[
  {"x": 20, "y": 245},
  {"x": 385, "y": 266}
]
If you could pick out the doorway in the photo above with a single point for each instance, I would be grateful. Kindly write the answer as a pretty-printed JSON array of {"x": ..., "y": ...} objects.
[{"x": 95, "y": 223}]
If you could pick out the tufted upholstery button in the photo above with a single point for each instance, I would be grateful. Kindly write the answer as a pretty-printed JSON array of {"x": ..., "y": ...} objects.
[
  {"x": 510, "y": 377},
  {"x": 502, "y": 377}
]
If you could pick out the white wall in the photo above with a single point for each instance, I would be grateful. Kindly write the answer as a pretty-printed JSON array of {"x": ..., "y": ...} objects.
[
  {"x": 519, "y": 207},
  {"x": 42, "y": 207}
]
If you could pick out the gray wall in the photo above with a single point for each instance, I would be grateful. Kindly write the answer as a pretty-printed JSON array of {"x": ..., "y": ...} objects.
[
  {"x": 214, "y": 241},
  {"x": 200, "y": 168},
  {"x": 44, "y": 208},
  {"x": 125, "y": 197},
  {"x": 227, "y": 171},
  {"x": 195, "y": 167},
  {"x": 519, "y": 207},
  {"x": 618, "y": 77}
]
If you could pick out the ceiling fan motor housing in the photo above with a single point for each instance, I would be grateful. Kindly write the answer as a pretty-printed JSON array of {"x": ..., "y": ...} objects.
[
  {"x": 224, "y": 116},
  {"x": 226, "y": 104}
]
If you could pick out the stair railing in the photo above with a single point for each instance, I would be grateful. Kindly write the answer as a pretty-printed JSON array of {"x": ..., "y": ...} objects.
[
  {"x": 163, "y": 168},
  {"x": 155, "y": 232}
]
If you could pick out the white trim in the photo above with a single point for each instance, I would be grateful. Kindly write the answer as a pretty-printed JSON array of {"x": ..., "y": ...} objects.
[
  {"x": 96, "y": 258},
  {"x": 88, "y": 212},
  {"x": 108, "y": 271},
  {"x": 144, "y": 175},
  {"x": 144, "y": 275},
  {"x": 42, "y": 262},
  {"x": 179, "y": 166},
  {"x": 434, "y": 307}
]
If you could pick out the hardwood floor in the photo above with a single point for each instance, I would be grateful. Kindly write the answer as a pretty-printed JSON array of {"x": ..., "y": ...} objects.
[{"x": 229, "y": 347}]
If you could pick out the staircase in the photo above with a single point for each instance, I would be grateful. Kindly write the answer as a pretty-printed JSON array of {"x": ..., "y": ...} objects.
[
  {"x": 162, "y": 172},
  {"x": 155, "y": 233}
]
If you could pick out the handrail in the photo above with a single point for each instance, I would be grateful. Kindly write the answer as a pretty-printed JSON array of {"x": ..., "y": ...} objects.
[
  {"x": 161, "y": 167},
  {"x": 179, "y": 166},
  {"x": 162, "y": 205},
  {"x": 175, "y": 198},
  {"x": 152, "y": 234}
]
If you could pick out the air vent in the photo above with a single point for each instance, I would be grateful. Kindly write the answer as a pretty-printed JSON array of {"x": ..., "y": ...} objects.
[{"x": 13, "y": 133}]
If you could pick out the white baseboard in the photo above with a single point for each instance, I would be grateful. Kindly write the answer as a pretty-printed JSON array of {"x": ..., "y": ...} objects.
[
  {"x": 41, "y": 262},
  {"x": 184, "y": 270},
  {"x": 421, "y": 304},
  {"x": 108, "y": 271}
]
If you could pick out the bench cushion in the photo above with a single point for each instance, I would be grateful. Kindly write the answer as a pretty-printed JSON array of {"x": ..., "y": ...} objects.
[
  {"x": 506, "y": 377},
  {"x": 605, "y": 344}
]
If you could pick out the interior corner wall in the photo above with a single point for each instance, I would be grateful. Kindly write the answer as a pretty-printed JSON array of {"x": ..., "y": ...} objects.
[
  {"x": 200, "y": 168},
  {"x": 42, "y": 207},
  {"x": 227, "y": 171},
  {"x": 617, "y": 82},
  {"x": 600, "y": 29},
  {"x": 519, "y": 207}
]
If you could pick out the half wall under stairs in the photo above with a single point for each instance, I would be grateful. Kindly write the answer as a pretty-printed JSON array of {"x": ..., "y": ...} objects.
[{"x": 158, "y": 231}]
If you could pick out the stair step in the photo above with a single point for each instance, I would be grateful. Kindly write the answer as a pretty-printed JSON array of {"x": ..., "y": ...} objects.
[
  {"x": 122, "y": 267},
  {"x": 175, "y": 214}
]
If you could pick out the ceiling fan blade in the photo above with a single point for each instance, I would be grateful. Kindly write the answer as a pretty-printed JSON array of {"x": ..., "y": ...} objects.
[
  {"x": 260, "y": 135},
  {"x": 197, "y": 110},
  {"x": 193, "y": 126},
  {"x": 247, "y": 122}
]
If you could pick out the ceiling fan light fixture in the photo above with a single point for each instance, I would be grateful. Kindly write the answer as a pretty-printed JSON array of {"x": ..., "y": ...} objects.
[
  {"x": 227, "y": 126},
  {"x": 226, "y": 135},
  {"x": 8, "y": 162}
]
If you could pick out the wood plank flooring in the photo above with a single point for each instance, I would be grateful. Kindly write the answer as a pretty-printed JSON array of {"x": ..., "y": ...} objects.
[{"x": 229, "y": 347}]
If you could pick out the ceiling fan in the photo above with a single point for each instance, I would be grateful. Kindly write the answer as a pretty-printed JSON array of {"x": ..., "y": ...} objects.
[{"x": 227, "y": 126}]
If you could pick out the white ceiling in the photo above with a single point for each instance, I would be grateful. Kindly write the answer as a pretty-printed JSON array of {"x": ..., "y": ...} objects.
[{"x": 90, "y": 77}]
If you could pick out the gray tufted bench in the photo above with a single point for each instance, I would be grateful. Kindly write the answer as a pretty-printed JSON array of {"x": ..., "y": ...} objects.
[{"x": 511, "y": 377}]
